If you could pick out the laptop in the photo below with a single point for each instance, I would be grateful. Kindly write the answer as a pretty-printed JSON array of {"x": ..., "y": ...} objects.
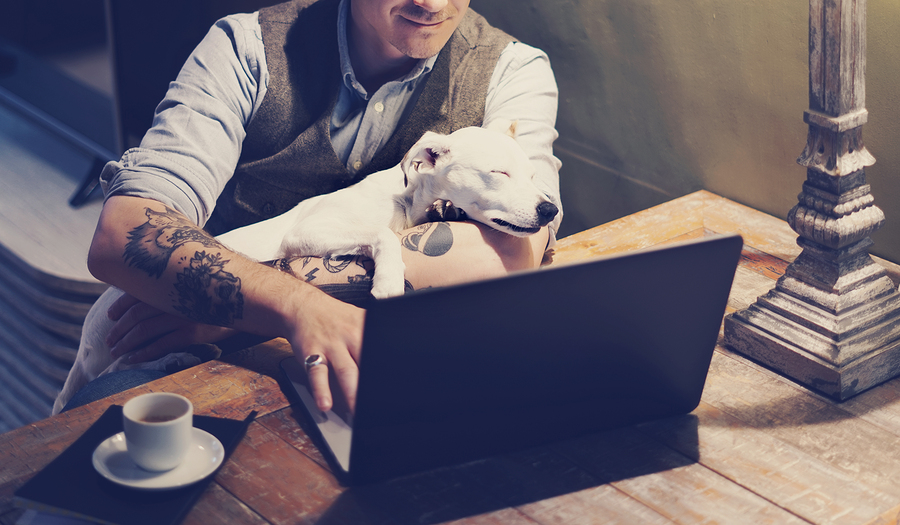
[{"x": 455, "y": 374}]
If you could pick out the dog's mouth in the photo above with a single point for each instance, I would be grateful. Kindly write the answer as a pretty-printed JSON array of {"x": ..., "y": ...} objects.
[{"x": 513, "y": 227}]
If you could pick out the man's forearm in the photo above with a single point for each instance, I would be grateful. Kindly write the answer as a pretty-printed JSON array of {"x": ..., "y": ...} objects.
[
  {"x": 160, "y": 257},
  {"x": 443, "y": 254},
  {"x": 157, "y": 255},
  {"x": 435, "y": 254}
]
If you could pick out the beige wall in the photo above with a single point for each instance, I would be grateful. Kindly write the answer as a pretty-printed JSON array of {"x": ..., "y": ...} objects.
[{"x": 659, "y": 98}]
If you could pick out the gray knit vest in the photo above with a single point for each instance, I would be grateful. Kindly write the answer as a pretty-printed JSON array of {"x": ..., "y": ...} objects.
[{"x": 287, "y": 155}]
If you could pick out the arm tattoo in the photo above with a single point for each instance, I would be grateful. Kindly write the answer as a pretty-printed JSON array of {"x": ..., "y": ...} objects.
[
  {"x": 358, "y": 286},
  {"x": 150, "y": 245},
  {"x": 204, "y": 291},
  {"x": 207, "y": 293},
  {"x": 283, "y": 265},
  {"x": 337, "y": 263},
  {"x": 435, "y": 244}
]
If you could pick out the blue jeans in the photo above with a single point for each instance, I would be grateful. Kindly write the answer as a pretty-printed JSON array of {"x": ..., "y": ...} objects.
[{"x": 110, "y": 384}]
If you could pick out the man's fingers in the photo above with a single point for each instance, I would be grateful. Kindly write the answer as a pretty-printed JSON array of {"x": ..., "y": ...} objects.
[
  {"x": 120, "y": 306},
  {"x": 138, "y": 314},
  {"x": 347, "y": 373},
  {"x": 178, "y": 339},
  {"x": 317, "y": 372},
  {"x": 326, "y": 339},
  {"x": 159, "y": 348},
  {"x": 145, "y": 332}
]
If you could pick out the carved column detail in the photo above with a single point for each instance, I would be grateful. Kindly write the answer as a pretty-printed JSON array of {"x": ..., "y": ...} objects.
[{"x": 832, "y": 322}]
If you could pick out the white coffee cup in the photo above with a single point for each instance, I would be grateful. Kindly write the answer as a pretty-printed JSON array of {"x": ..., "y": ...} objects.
[{"x": 158, "y": 429}]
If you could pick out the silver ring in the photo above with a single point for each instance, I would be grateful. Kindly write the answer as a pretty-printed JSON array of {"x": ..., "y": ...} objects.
[{"x": 313, "y": 360}]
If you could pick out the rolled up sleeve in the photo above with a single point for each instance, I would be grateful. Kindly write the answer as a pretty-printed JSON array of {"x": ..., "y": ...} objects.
[{"x": 194, "y": 144}]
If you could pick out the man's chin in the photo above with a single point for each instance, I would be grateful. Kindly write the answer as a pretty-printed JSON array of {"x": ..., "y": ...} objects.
[
  {"x": 422, "y": 42},
  {"x": 422, "y": 48}
]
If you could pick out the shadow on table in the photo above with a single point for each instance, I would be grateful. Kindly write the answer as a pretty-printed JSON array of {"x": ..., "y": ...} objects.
[
  {"x": 519, "y": 478},
  {"x": 762, "y": 397}
]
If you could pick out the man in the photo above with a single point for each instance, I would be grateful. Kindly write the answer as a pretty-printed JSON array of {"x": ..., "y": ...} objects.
[{"x": 275, "y": 107}]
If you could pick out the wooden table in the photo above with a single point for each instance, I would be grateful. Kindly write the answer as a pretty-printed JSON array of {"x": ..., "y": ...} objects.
[{"x": 758, "y": 449}]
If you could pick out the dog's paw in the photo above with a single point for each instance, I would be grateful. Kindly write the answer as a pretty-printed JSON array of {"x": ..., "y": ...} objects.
[
  {"x": 442, "y": 211},
  {"x": 384, "y": 288}
]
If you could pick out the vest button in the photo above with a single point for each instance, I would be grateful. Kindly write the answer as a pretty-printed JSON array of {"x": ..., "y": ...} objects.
[
  {"x": 357, "y": 165},
  {"x": 268, "y": 209}
]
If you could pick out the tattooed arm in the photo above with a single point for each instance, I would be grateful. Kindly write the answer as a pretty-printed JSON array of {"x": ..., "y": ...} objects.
[
  {"x": 204, "y": 287},
  {"x": 435, "y": 254},
  {"x": 159, "y": 257},
  {"x": 147, "y": 333}
]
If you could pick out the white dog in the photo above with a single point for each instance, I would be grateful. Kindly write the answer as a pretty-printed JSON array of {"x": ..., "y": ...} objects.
[{"x": 482, "y": 172}]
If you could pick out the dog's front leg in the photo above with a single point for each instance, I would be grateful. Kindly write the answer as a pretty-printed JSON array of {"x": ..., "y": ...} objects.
[
  {"x": 323, "y": 238},
  {"x": 390, "y": 271}
]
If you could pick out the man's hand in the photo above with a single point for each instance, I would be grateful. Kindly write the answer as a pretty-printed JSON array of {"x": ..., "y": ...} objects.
[
  {"x": 149, "y": 333},
  {"x": 333, "y": 330},
  {"x": 325, "y": 326}
]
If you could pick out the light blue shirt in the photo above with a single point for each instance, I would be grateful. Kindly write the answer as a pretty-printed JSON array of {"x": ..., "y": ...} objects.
[
  {"x": 193, "y": 146},
  {"x": 374, "y": 118}
]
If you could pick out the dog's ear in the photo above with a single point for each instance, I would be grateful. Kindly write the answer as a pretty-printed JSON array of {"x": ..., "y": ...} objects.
[
  {"x": 507, "y": 127},
  {"x": 424, "y": 156}
]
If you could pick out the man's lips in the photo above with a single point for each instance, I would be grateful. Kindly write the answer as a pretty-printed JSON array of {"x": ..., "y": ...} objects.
[
  {"x": 422, "y": 18},
  {"x": 426, "y": 23}
]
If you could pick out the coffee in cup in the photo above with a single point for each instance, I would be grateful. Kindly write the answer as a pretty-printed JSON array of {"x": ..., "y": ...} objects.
[{"x": 158, "y": 429}]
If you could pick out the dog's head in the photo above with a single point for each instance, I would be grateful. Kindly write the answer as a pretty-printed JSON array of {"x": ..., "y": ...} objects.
[{"x": 482, "y": 171}]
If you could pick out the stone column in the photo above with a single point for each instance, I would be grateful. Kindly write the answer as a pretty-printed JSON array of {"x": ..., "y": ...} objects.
[{"x": 832, "y": 322}]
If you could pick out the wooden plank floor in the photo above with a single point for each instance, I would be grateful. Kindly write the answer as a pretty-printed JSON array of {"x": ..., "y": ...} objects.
[{"x": 758, "y": 449}]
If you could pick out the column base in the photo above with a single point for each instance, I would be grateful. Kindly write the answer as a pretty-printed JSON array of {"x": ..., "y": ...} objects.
[{"x": 783, "y": 353}]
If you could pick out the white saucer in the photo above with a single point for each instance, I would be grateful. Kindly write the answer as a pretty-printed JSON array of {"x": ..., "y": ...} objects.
[{"x": 113, "y": 463}]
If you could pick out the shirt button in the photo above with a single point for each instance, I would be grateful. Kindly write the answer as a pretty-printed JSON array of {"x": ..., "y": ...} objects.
[
  {"x": 379, "y": 107},
  {"x": 268, "y": 209},
  {"x": 357, "y": 165}
]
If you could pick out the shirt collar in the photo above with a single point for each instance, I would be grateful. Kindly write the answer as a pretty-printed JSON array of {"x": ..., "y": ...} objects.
[{"x": 422, "y": 66}]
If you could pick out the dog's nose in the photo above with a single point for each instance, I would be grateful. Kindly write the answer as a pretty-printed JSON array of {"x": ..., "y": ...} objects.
[{"x": 546, "y": 211}]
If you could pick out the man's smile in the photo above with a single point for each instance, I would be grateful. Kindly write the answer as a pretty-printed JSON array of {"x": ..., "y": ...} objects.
[
  {"x": 428, "y": 23},
  {"x": 420, "y": 17}
]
